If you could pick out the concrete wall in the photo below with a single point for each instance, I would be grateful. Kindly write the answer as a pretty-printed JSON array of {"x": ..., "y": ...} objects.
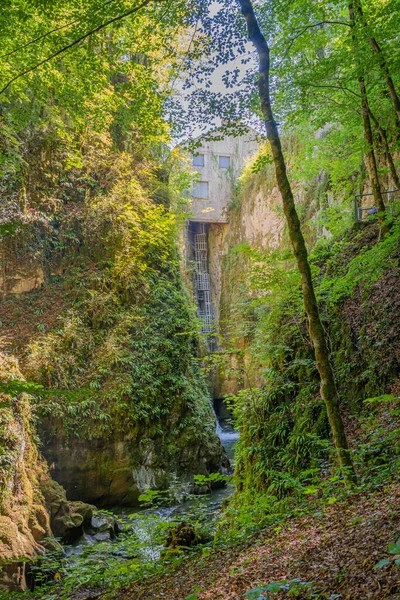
[{"x": 221, "y": 180}]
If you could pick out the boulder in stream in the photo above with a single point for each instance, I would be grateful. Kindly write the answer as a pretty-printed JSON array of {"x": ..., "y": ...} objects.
[
  {"x": 67, "y": 519},
  {"x": 103, "y": 526}
]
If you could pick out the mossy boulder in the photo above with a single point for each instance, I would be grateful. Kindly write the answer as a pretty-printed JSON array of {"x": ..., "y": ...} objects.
[
  {"x": 67, "y": 519},
  {"x": 184, "y": 535},
  {"x": 103, "y": 527}
]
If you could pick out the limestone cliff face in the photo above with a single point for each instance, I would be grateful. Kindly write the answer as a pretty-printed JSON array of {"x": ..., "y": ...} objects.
[
  {"x": 24, "y": 521},
  {"x": 255, "y": 220},
  {"x": 117, "y": 469},
  {"x": 33, "y": 507}
]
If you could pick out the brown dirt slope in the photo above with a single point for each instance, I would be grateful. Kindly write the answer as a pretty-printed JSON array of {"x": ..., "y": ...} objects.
[{"x": 336, "y": 551}]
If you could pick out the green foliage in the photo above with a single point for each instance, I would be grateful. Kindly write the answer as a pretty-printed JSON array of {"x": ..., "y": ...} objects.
[
  {"x": 124, "y": 346},
  {"x": 288, "y": 493},
  {"x": 394, "y": 549},
  {"x": 294, "y": 587},
  {"x": 138, "y": 552},
  {"x": 128, "y": 339},
  {"x": 15, "y": 417},
  {"x": 202, "y": 479},
  {"x": 283, "y": 457},
  {"x": 209, "y": 480},
  {"x": 361, "y": 269},
  {"x": 378, "y": 451},
  {"x": 101, "y": 564}
]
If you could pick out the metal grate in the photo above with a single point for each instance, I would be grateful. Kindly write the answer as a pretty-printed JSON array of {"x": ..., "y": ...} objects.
[
  {"x": 203, "y": 281},
  {"x": 201, "y": 242},
  {"x": 203, "y": 284}
]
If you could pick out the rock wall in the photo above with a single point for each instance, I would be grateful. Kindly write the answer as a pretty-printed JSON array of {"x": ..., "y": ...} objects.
[
  {"x": 33, "y": 507},
  {"x": 24, "y": 520},
  {"x": 114, "y": 471},
  {"x": 255, "y": 220}
]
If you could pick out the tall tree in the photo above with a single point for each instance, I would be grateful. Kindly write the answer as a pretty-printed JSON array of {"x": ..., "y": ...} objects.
[
  {"x": 359, "y": 17},
  {"x": 70, "y": 69},
  {"x": 365, "y": 111},
  {"x": 328, "y": 388},
  {"x": 317, "y": 61}
]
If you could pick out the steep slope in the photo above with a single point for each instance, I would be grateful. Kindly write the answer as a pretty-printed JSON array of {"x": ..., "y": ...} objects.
[
  {"x": 330, "y": 554},
  {"x": 109, "y": 320},
  {"x": 266, "y": 350}
]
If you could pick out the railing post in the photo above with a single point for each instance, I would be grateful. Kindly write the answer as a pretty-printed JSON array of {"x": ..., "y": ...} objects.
[{"x": 356, "y": 209}]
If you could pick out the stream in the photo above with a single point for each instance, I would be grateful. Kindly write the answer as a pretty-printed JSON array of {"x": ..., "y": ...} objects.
[{"x": 146, "y": 524}]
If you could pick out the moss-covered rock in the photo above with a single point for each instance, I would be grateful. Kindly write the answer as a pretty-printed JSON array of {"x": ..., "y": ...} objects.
[
  {"x": 67, "y": 519},
  {"x": 24, "y": 521},
  {"x": 184, "y": 535},
  {"x": 115, "y": 471}
]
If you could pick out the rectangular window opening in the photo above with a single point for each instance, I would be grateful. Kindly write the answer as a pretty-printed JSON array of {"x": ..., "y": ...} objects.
[
  {"x": 198, "y": 160},
  {"x": 201, "y": 190},
  {"x": 224, "y": 162}
]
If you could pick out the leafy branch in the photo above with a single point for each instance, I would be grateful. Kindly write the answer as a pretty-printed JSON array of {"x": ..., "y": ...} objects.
[
  {"x": 47, "y": 33},
  {"x": 306, "y": 27},
  {"x": 77, "y": 41}
]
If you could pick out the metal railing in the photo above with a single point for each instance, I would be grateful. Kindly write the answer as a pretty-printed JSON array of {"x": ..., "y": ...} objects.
[{"x": 361, "y": 213}]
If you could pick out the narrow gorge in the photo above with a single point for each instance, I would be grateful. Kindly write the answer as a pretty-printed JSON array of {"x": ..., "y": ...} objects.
[{"x": 199, "y": 300}]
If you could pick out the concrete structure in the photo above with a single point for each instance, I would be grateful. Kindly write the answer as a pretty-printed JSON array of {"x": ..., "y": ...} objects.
[{"x": 219, "y": 162}]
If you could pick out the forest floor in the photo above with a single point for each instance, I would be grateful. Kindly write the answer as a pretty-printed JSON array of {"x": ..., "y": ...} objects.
[{"x": 335, "y": 550}]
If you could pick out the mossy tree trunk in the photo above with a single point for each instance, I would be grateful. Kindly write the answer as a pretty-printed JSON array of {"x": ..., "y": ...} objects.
[
  {"x": 389, "y": 158},
  {"x": 370, "y": 153},
  {"x": 316, "y": 330},
  {"x": 365, "y": 111}
]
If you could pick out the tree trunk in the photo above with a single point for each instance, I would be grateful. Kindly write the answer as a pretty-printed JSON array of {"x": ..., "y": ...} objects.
[
  {"x": 388, "y": 154},
  {"x": 381, "y": 59},
  {"x": 388, "y": 78},
  {"x": 371, "y": 158},
  {"x": 365, "y": 111},
  {"x": 316, "y": 330}
]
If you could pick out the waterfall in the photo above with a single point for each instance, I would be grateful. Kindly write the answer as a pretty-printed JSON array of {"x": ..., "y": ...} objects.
[{"x": 225, "y": 434}]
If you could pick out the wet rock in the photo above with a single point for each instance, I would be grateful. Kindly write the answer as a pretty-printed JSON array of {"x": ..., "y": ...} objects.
[
  {"x": 51, "y": 545},
  {"x": 85, "y": 511},
  {"x": 103, "y": 526},
  {"x": 115, "y": 471},
  {"x": 67, "y": 519}
]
